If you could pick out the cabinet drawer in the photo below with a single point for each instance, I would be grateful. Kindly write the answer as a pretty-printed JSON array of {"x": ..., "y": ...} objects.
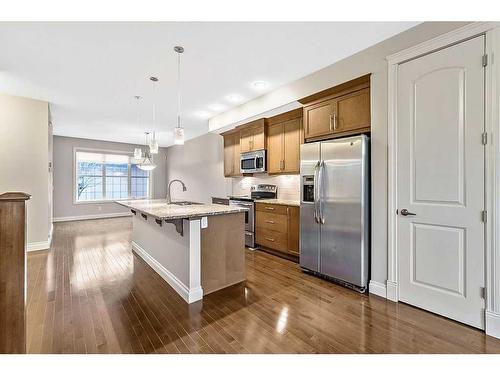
[
  {"x": 271, "y": 239},
  {"x": 274, "y": 208},
  {"x": 271, "y": 221}
]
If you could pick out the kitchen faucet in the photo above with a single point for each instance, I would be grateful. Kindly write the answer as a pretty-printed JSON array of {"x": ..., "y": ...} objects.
[{"x": 169, "y": 199}]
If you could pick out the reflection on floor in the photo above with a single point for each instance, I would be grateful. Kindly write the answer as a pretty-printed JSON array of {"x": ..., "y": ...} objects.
[{"x": 90, "y": 294}]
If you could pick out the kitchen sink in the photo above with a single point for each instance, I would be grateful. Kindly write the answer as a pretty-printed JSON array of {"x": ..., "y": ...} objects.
[{"x": 185, "y": 203}]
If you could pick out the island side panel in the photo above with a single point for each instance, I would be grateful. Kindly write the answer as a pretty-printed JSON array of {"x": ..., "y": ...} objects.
[
  {"x": 223, "y": 252},
  {"x": 165, "y": 250}
]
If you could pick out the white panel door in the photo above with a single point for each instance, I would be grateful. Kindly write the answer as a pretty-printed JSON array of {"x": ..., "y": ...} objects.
[{"x": 440, "y": 169}]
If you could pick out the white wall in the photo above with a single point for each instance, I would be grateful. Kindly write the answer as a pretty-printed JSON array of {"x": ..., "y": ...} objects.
[
  {"x": 24, "y": 156},
  {"x": 64, "y": 206},
  {"x": 199, "y": 163}
]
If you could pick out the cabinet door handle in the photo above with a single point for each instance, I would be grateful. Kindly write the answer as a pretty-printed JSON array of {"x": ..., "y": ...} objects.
[
  {"x": 269, "y": 239},
  {"x": 334, "y": 121},
  {"x": 270, "y": 221},
  {"x": 269, "y": 208},
  {"x": 282, "y": 165},
  {"x": 331, "y": 124}
]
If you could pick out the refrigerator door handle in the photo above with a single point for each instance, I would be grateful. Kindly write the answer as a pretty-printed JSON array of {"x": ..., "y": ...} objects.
[
  {"x": 316, "y": 192},
  {"x": 320, "y": 192}
]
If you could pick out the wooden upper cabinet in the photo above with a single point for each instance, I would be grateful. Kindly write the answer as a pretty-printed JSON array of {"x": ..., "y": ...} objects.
[
  {"x": 353, "y": 111},
  {"x": 246, "y": 139},
  {"x": 318, "y": 118},
  {"x": 284, "y": 135},
  {"x": 275, "y": 145},
  {"x": 292, "y": 140},
  {"x": 228, "y": 155},
  {"x": 253, "y": 136},
  {"x": 231, "y": 153},
  {"x": 340, "y": 110}
]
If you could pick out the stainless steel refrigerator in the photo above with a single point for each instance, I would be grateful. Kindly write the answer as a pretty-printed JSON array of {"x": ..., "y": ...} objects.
[{"x": 334, "y": 209}]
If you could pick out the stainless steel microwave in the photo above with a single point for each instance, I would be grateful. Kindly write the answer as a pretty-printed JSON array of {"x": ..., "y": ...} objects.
[{"x": 253, "y": 162}]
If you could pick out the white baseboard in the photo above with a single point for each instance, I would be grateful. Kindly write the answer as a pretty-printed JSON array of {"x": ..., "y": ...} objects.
[
  {"x": 42, "y": 245},
  {"x": 35, "y": 246},
  {"x": 392, "y": 291},
  {"x": 90, "y": 217},
  {"x": 377, "y": 288},
  {"x": 51, "y": 232},
  {"x": 189, "y": 295},
  {"x": 493, "y": 324}
]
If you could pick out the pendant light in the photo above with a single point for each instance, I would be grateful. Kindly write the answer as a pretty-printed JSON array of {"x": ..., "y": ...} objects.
[
  {"x": 153, "y": 144},
  {"x": 179, "y": 130},
  {"x": 147, "y": 163},
  {"x": 138, "y": 150}
]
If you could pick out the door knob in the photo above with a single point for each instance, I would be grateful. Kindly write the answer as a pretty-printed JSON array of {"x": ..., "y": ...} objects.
[{"x": 405, "y": 212}]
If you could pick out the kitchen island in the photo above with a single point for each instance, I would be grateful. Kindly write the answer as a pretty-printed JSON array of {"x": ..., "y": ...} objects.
[{"x": 196, "y": 248}]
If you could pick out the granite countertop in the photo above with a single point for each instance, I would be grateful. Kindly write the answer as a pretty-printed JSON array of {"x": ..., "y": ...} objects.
[
  {"x": 284, "y": 202},
  {"x": 158, "y": 208}
]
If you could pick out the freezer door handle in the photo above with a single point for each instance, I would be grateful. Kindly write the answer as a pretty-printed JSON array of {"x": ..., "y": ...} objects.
[
  {"x": 316, "y": 192},
  {"x": 320, "y": 192}
]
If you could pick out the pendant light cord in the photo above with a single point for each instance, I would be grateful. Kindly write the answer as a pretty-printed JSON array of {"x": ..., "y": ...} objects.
[
  {"x": 154, "y": 110},
  {"x": 178, "y": 89}
]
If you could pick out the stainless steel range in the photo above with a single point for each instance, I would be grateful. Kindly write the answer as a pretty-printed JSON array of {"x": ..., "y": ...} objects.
[{"x": 261, "y": 191}]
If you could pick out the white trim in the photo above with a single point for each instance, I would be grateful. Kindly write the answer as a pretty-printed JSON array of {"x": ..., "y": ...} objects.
[
  {"x": 195, "y": 292},
  {"x": 392, "y": 291},
  {"x": 492, "y": 199},
  {"x": 41, "y": 245},
  {"x": 493, "y": 324},
  {"x": 51, "y": 232},
  {"x": 492, "y": 159},
  {"x": 188, "y": 295},
  {"x": 392, "y": 256},
  {"x": 444, "y": 40},
  {"x": 90, "y": 217},
  {"x": 374, "y": 287},
  {"x": 36, "y": 246}
]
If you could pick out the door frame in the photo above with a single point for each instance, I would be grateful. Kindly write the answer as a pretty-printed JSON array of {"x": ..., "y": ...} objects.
[{"x": 492, "y": 160}]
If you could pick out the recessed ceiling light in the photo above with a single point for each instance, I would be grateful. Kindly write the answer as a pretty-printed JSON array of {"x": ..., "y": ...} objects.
[
  {"x": 203, "y": 114},
  {"x": 216, "y": 107},
  {"x": 260, "y": 85},
  {"x": 234, "y": 98}
]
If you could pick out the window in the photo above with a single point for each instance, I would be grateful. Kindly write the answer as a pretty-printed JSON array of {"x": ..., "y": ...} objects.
[{"x": 106, "y": 176}]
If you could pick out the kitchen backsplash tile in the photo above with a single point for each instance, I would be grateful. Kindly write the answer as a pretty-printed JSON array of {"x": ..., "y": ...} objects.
[{"x": 288, "y": 185}]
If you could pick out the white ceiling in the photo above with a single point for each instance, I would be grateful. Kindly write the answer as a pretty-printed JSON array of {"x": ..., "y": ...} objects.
[{"x": 90, "y": 72}]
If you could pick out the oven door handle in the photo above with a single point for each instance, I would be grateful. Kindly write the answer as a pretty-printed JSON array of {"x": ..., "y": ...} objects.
[
  {"x": 316, "y": 192},
  {"x": 241, "y": 204}
]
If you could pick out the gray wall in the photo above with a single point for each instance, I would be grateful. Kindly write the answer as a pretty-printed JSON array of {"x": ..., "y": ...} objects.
[
  {"x": 24, "y": 156},
  {"x": 371, "y": 60},
  {"x": 200, "y": 164},
  {"x": 63, "y": 177}
]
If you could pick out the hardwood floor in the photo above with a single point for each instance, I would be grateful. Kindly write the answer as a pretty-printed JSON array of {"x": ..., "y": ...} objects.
[{"x": 90, "y": 294}]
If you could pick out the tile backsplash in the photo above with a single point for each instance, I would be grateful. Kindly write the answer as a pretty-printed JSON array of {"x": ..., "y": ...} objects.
[{"x": 288, "y": 185}]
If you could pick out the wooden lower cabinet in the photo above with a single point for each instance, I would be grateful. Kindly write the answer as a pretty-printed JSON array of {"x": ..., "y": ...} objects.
[
  {"x": 277, "y": 228},
  {"x": 293, "y": 230}
]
